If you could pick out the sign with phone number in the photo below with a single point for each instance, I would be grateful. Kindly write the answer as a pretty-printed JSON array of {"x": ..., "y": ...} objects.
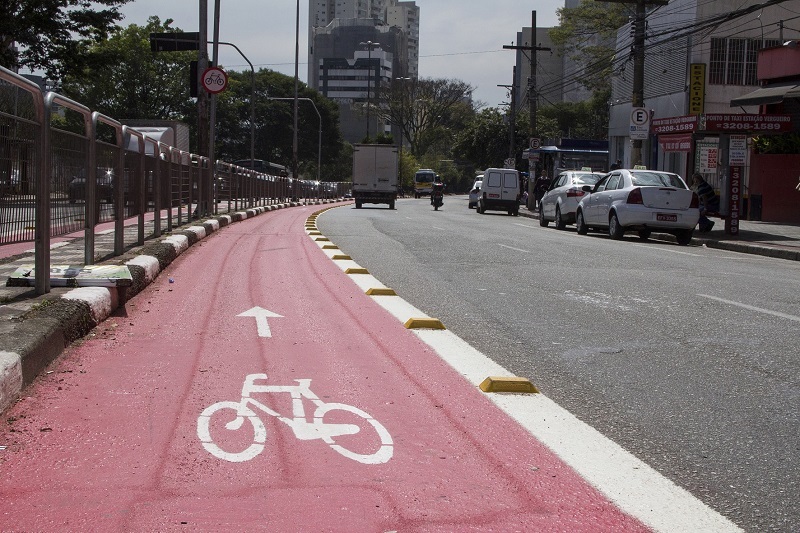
[
  {"x": 723, "y": 123},
  {"x": 746, "y": 122}
]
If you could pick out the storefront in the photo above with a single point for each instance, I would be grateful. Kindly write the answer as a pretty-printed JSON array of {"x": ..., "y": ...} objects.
[{"x": 718, "y": 146}]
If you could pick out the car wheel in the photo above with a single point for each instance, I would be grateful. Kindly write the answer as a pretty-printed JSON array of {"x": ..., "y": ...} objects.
[
  {"x": 615, "y": 230},
  {"x": 560, "y": 224},
  {"x": 684, "y": 237},
  {"x": 644, "y": 234},
  {"x": 580, "y": 224},
  {"x": 543, "y": 222},
  {"x": 358, "y": 204}
]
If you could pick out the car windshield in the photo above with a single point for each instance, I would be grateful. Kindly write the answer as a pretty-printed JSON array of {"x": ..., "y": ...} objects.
[
  {"x": 587, "y": 179},
  {"x": 656, "y": 179}
]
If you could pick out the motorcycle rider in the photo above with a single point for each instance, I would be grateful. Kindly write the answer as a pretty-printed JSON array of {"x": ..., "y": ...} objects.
[{"x": 437, "y": 194}]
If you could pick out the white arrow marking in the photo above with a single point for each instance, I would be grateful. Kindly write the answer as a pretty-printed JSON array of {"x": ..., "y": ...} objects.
[{"x": 261, "y": 315}]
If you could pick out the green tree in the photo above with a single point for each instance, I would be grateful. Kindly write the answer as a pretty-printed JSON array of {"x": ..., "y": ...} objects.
[
  {"x": 274, "y": 120},
  {"x": 484, "y": 142},
  {"x": 587, "y": 34},
  {"x": 123, "y": 79},
  {"x": 427, "y": 111},
  {"x": 52, "y": 35}
]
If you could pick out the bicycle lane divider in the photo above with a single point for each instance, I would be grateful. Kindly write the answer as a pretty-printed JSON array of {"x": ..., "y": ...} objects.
[{"x": 628, "y": 482}]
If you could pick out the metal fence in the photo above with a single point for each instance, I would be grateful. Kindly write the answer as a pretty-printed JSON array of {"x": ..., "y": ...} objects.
[{"x": 65, "y": 169}]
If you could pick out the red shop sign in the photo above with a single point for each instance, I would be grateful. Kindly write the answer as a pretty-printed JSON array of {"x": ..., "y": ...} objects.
[{"x": 675, "y": 143}]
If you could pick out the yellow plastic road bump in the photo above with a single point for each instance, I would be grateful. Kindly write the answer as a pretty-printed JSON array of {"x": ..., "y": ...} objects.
[
  {"x": 424, "y": 323},
  {"x": 356, "y": 271},
  {"x": 315, "y": 232},
  {"x": 341, "y": 257},
  {"x": 378, "y": 291},
  {"x": 320, "y": 239},
  {"x": 508, "y": 384},
  {"x": 329, "y": 247}
]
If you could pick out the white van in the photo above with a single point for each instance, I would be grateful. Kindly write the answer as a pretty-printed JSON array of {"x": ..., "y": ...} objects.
[{"x": 500, "y": 191}]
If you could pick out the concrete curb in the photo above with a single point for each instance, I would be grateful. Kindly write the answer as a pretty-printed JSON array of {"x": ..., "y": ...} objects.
[{"x": 44, "y": 332}]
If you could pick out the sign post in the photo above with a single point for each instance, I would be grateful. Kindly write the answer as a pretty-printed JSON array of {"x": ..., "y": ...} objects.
[{"x": 640, "y": 123}]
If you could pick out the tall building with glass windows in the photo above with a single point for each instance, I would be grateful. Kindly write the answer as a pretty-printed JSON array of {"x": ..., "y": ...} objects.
[{"x": 356, "y": 49}]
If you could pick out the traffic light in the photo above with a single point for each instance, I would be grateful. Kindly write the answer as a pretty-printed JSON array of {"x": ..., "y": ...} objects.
[{"x": 175, "y": 41}]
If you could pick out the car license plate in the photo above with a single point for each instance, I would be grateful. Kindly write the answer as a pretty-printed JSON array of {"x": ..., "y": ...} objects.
[{"x": 666, "y": 217}]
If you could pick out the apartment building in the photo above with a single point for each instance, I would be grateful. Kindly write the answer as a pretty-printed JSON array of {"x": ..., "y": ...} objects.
[{"x": 357, "y": 47}]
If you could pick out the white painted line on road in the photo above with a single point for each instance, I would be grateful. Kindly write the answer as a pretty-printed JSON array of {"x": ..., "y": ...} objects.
[
  {"x": 515, "y": 249},
  {"x": 524, "y": 225},
  {"x": 753, "y": 308},
  {"x": 662, "y": 249},
  {"x": 631, "y": 484}
]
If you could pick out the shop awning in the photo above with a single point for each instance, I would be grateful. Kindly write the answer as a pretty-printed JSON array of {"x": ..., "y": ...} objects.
[{"x": 767, "y": 95}]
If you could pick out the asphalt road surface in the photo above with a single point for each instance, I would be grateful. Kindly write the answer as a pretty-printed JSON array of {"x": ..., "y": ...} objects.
[{"x": 686, "y": 356}]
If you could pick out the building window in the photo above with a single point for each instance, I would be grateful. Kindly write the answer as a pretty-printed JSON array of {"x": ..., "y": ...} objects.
[{"x": 734, "y": 61}]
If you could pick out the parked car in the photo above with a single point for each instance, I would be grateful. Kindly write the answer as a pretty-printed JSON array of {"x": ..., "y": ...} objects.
[
  {"x": 105, "y": 186},
  {"x": 561, "y": 200},
  {"x": 499, "y": 191},
  {"x": 475, "y": 192},
  {"x": 641, "y": 201}
]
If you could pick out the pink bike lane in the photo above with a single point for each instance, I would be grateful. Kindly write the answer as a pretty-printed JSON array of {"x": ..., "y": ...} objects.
[{"x": 183, "y": 411}]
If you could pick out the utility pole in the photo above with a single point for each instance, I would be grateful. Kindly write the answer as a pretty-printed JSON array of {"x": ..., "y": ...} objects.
[
  {"x": 202, "y": 94},
  {"x": 532, "y": 96},
  {"x": 512, "y": 114},
  {"x": 639, "y": 32},
  {"x": 637, "y": 98}
]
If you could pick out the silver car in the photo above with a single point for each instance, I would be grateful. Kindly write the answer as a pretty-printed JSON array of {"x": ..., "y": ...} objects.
[
  {"x": 560, "y": 201},
  {"x": 475, "y": 192},
  {"x": 641, "y": 201}
]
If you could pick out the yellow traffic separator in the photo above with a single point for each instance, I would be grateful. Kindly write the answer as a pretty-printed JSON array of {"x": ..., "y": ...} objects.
[
  {"x": 508, "y": 384},
  {"x": 356, "y": 271},
  {"x": 341, "y": 257},
  {"x": 424, "y": 323},
  {"x": 320, "y": 239},
  {"x": 378, "y": 291},
  {"x": 315, "y": 232},
  {"x": 330, "y": 247}
]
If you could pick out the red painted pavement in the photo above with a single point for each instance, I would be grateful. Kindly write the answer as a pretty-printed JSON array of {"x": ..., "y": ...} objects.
[{"x": 108, "y": 440}]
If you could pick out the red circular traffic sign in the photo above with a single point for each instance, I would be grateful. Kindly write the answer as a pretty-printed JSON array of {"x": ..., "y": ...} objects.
[{"x": 214, "y": 80}]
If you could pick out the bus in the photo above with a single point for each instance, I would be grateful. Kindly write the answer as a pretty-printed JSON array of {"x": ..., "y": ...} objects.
[
  {"x": 423, "y": 182},
  {"x": 264, "y": 167}
]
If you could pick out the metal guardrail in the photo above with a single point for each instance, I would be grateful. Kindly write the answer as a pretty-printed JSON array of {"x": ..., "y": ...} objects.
[{"x": 65, "y": 175}]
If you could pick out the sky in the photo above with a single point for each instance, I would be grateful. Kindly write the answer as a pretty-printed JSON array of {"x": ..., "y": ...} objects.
[{"x": 460, "y": 39}]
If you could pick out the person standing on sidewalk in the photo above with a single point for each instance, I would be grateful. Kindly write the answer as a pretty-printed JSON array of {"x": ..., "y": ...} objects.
[
  {"x": 709, "y": 201},
  {"x": 542, "y": 183}
]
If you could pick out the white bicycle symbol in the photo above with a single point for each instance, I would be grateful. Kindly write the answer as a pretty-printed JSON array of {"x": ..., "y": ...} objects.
[{"x": 303, "y": 429}]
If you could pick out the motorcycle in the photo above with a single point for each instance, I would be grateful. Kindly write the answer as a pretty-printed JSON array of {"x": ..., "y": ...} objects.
[{"x": 437, "y": 196}]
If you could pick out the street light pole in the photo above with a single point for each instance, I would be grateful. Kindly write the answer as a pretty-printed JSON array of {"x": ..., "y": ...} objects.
[
  {"x": 369, "y": 45},
  {"x": 296, "y": 82},
  {"x": 319, "y": 149},
  {"x": 402, "y": 102}
]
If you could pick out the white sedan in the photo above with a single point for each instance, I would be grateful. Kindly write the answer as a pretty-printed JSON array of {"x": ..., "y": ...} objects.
[
  {"x": 641, "y": 201},
  {"x": 475, "y": 193},
  {"x": 561, "y": 199}
]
